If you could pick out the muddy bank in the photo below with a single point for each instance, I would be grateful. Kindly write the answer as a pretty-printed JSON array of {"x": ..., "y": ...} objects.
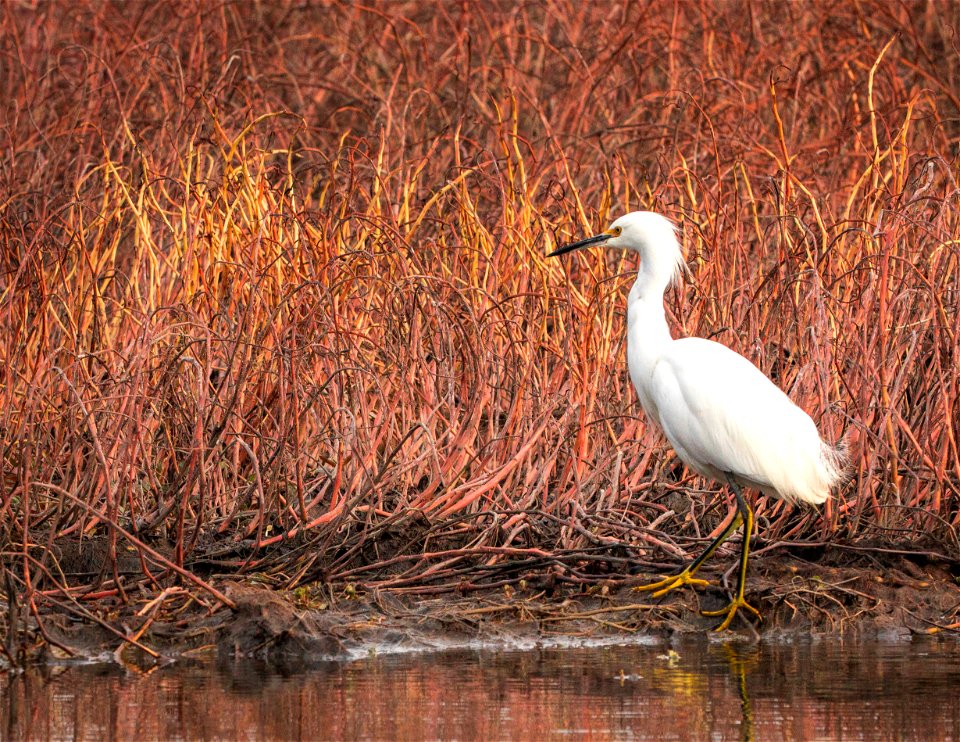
[{"x": 879, "y": 596}]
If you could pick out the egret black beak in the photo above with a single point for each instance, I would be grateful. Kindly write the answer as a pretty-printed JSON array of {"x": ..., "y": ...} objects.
[{"x": 582, "y": 243}]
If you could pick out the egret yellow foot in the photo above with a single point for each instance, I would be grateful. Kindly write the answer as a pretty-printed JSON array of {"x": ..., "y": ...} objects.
[
  {"x": 667, "y": 584},
  {"x": 731, "y": 610}
]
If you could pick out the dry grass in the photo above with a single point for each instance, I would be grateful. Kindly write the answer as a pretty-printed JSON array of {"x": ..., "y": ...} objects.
[{"x": 273, "y": 294}]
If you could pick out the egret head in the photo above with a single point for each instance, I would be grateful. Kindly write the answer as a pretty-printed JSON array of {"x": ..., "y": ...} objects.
[{"x": 646, "y": 232}]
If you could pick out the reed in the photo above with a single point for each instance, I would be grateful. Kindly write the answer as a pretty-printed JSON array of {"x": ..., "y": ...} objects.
[{"x": 274, "y": 298}]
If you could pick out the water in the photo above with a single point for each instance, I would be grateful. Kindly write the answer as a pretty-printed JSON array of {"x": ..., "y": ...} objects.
[{"x": 700, "y": 690}]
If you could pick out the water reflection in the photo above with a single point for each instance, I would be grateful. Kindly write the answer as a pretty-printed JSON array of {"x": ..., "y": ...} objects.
[{"x": 696, "y": 690}]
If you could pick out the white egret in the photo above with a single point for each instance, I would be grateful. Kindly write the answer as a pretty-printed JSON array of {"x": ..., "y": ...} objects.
[{"x": 723, "y": 417}]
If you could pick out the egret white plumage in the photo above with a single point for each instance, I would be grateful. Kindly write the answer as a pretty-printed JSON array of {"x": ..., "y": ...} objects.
[{"x": 724, "y": 418}]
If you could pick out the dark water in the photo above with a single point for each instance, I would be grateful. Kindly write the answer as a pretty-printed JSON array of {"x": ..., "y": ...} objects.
[{"x": 805, "y": 691}]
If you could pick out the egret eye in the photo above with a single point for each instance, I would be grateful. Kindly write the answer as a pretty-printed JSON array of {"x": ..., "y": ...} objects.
[{"x": 616, "y": 231}]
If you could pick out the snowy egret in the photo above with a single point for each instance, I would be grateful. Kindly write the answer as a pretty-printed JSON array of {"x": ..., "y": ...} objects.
[{"x": 723, "y": 417}]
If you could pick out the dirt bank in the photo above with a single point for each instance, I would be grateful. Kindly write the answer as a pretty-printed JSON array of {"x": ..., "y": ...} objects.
[{"x": 872, "y": 594}]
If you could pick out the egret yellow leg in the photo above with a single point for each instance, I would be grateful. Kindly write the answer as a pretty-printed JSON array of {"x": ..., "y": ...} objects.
[
  {"x": 686, "y": 577},
  {"x": 746, "y": 515}
]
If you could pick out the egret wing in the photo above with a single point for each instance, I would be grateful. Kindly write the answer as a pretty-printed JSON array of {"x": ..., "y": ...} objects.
[{"x": 722, "y": 415}]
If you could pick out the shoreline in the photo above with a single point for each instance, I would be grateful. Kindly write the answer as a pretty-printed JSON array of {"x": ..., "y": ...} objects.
[{"x": 296, "y": 629}]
